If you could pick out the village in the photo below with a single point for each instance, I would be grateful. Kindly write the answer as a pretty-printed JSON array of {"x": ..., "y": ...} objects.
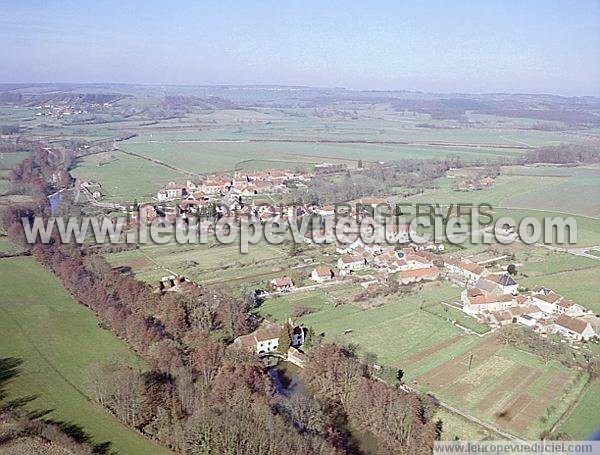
[{"x": 490, "y": 295}]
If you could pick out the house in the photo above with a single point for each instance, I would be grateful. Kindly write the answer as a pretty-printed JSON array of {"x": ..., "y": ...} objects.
[
  {"x": 467, "y": 269},
  {"x": 573, "y": 328},
  {"x": 351, "y": 262},
  {"x": 175, "y": 190},
  {"x": 298, "y": 334},
  {"x": 264, "y": 340},
  {"x": 282, "y": 284},
  {"x": 476, "y": 303},
  {"x": 505, "y": 282},
  {"x": 568, "y": 307},
  {"x": 212, "y": 186},
  {"x": 552, "y": 303},
  {"x": 502, "y": 317},
  {"x": 547, "y": 302},
  {"x": 146, "y": 212},
  {"x": 526, "y": 320},
  {"x": 162, "y": 196},
  {"x": 322, "y": 274},
  {"x": 414, "y": 261},
  {"x": 488, "y": 287},
  {"x": 397, "y": 233},
  {"x": 417, "y": 275},
  {"x": 532, "y": 311},
  {"x": 513, "y": 314}
]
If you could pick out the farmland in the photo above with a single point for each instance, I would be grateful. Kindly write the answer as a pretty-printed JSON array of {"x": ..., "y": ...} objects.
[
  {"x": 223, "y": 139},
  {"x": 57, "y": 339},
  {"x": 124, "y": 177},
  {"x": 135, "y": 146},
  {"x": 501, "y": 385}
]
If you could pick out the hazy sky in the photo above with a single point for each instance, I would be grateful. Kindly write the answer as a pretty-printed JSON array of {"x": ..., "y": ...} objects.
[{"x": 467, "y": 46}]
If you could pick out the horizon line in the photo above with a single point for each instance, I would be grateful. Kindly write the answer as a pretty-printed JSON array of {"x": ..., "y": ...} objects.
[{"x": 294, "y": 86}]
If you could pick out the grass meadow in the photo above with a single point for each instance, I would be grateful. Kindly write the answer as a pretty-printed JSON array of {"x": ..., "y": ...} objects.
[
  {"x": 582, "y": 422},
  {"x": 124, "y": 177},
  {"x": 56, "y": 338}
]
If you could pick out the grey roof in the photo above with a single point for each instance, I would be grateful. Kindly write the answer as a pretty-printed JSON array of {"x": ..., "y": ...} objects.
[
  {"x": 506, "y": 280},
  {"x": 487, "y": 286}
]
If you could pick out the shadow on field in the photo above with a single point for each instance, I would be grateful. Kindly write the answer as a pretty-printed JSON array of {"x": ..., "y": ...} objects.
[{"x": 10, "y": 367}]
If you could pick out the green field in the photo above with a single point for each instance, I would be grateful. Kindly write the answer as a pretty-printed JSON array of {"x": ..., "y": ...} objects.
[
  {"x": 578, "y": 191},
  {"x": 434, "y": 355},
  {"x": 454, "y": 426},
  {"x": 10, "y": 160},
  {"x": 124, "y": 177},
  {"x": 401, "y": 327},
  {"x": 573, "y": 195},
  {"x": 583, "y": 421},
  {"x": 57, "y": 339}
]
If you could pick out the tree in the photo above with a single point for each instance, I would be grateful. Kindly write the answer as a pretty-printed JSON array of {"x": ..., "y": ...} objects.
[
  {"x": 250, "y": 299},
  {"x": 400, "y": 375},
  {"x": 508, "y": 334},
  {"x": 332, "y": 372},
  {"x": 285, "y": 339},
  {"x": 512, "y": 269},
  {"x": 309, "y": 339},
  {"x": 304, "y": 412}
]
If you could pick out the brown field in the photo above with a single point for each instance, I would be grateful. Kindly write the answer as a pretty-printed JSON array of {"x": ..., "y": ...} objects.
[
  {"x": 534, "y": 409},
  {"x": 452, "y": 369},
  {"x": 432, "y": 350}
]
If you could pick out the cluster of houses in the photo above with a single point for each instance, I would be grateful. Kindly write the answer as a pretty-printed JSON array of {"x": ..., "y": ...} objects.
[
  {"x": 475, "y": 184},
  {"x": 241, "y": 183},
  {"x": 494, "y": 299}
]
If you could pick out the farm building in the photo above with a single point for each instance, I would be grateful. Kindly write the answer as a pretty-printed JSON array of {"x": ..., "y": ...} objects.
[
  {"x": 417, "y": 275},
  {"x": 476, "y": 302},
  {"x": 282, "y": 284},
  {"x": 573, "y": 328},
  {"x": 351, "y": 262},
  {"x": 467, "y": 269}
]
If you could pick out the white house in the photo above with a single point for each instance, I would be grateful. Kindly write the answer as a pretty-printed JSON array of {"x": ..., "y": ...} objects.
[
  {"x": 475, "y": 303},
  {"x": 265, "y": 339},
  {"x": 573, "y": 328},
  {"x": 262, "y": 341},
  {"x": 282, "y": 284},
  {"x": 322, "y": 274},
  {"x": 351, "y": 262},
  {"x": 526, "y": 320},
  {"x": 547, "y": 302},
  {"x": 568, "y": 307},
  {"x": 468, "y": 269},
  {"x": 326, "y": 210}
]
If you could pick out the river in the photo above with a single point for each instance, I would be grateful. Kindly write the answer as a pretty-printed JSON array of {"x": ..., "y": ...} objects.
[{"x": 287, "y": 381}]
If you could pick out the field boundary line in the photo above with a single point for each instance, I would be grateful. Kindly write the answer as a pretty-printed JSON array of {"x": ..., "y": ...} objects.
[{"x": 567, "y": 413}]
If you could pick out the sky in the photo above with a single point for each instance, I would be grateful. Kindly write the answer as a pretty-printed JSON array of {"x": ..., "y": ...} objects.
[{"x": 475, "y": 46}]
